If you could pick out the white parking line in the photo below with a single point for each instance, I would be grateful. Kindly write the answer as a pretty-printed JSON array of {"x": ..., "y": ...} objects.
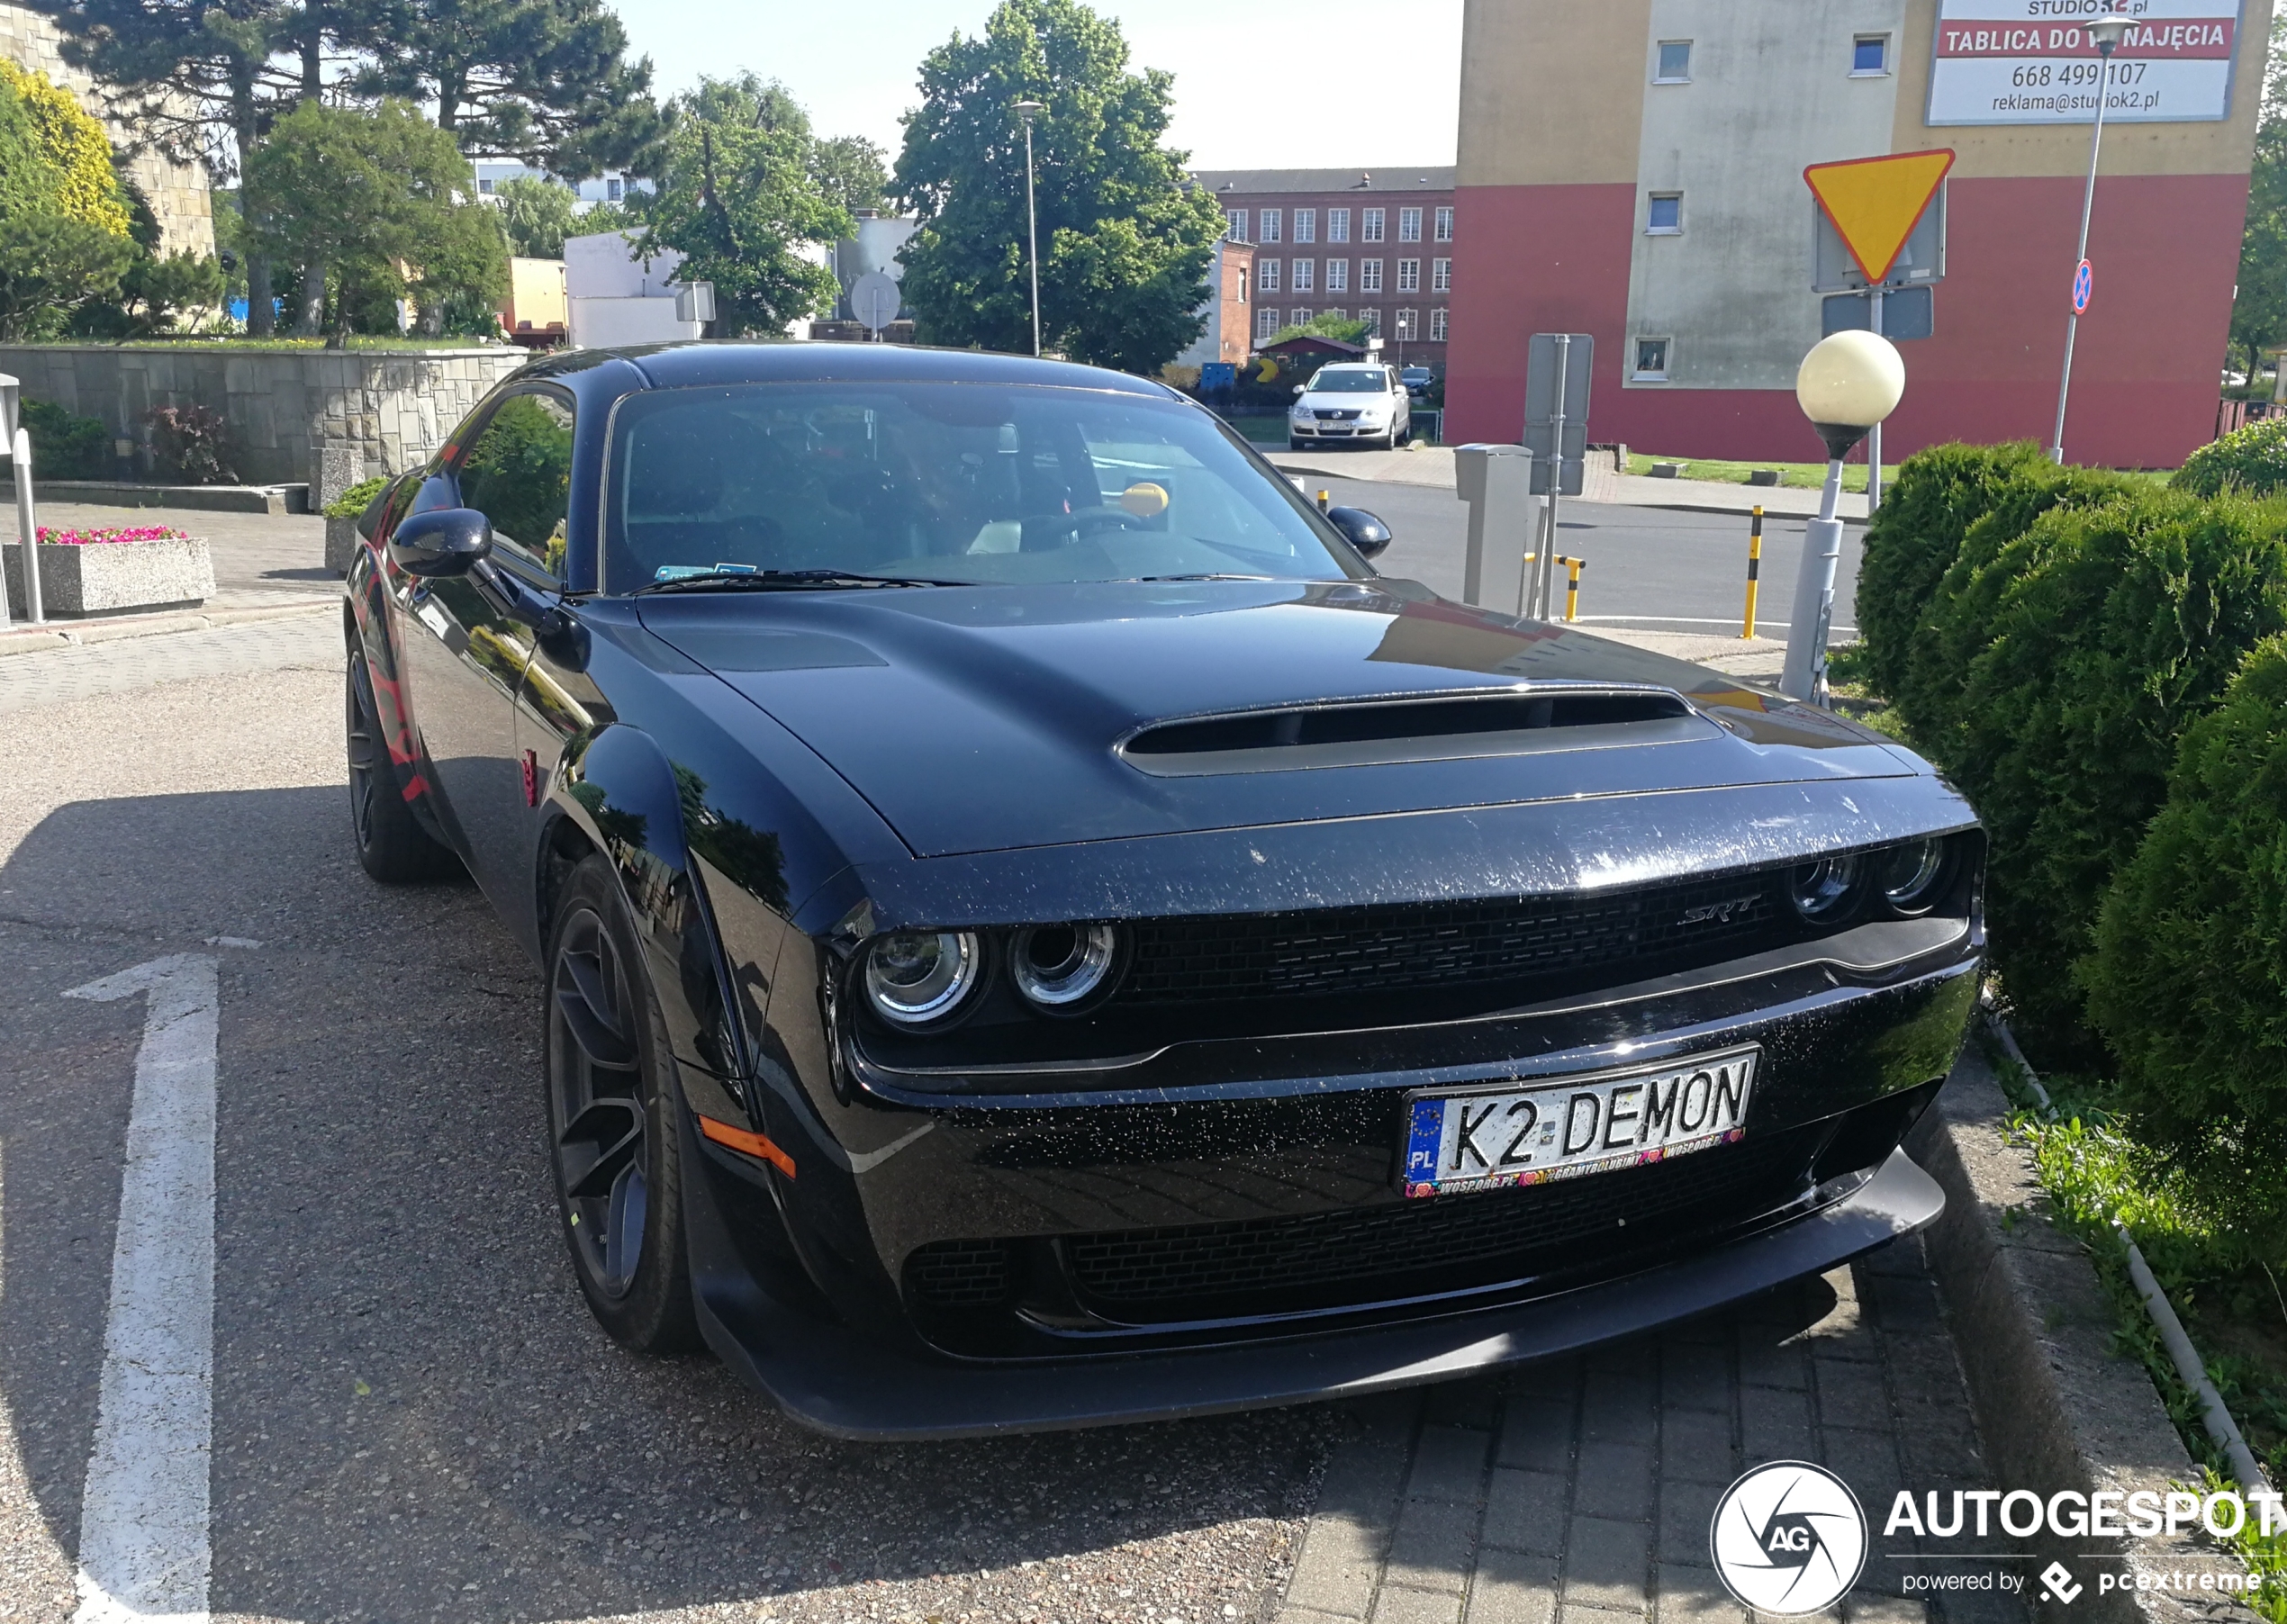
[{"x": 143, "y": 1541}]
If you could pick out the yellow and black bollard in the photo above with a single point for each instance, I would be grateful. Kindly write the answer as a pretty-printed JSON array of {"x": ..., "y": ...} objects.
[
  {"x": 1323, "y": 499},
  {"x": 1573, "y": 566},
  {"x": 1754, "y": 564}
]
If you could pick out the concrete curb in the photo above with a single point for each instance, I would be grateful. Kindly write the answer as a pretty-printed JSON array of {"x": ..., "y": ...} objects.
[
  {"x": 53, "y": 634},
  {"x": 212, "y": 499},
  {"x": 2058, "y": 1409}
]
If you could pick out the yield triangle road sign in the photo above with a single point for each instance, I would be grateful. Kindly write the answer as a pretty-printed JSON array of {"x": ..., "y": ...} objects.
[{"x": 1874, "y": 201}]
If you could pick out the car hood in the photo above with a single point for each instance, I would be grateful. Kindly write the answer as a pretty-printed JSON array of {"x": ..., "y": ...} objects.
[{"x": 986, "y": 718}]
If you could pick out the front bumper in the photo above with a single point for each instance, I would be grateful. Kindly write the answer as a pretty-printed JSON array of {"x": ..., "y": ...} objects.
[{"x": 849, "y": 1384}]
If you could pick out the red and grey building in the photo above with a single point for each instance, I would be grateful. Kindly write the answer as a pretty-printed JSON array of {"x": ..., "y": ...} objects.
[
  {"x": 1632, "y": 169},
  {"x": 1376, "y": 244}
]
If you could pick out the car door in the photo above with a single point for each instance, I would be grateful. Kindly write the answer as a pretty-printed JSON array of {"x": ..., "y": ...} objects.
[{"x": 467, "y": 654}]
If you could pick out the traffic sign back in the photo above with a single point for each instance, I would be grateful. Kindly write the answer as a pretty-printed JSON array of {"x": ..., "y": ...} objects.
[{"x": 1874, "y": 203}]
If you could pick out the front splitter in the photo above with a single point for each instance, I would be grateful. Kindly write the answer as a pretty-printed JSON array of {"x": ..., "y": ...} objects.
[{"x": 828, "y": 1379}]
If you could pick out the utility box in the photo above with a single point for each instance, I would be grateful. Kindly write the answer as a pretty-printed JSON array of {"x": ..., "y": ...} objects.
[
  {"x": 613, "y": 296},
  {"x": 1497, "y": 481}
]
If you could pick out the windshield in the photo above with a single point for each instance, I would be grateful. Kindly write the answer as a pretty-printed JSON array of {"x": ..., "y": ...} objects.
[
  {"x": 1370, "y": 379},
  {"x": 966, "y": 482}
]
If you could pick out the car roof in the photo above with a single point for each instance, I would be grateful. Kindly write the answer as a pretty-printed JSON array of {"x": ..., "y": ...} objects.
[{"x": 701, "y": 362}]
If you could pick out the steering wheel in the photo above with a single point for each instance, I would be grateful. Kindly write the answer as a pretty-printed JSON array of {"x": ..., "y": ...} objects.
[{"x": 1081, "y": 521}]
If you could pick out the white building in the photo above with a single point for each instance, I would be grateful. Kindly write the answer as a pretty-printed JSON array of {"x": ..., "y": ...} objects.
[{"x": 612, "y": 185}]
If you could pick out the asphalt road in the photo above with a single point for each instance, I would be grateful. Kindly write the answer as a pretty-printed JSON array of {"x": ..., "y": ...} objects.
[
  {"x": 414, "y": 1416},
  {"x": 1659, "y": 569}
]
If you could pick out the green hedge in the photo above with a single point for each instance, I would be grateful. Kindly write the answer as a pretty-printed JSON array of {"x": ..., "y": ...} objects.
[
  {"x": 64, "y": 447},
  {"x": 2004, "y": 544},
  {"x": 2253, "y": 459},
  {"x": 2188, "y": 982},
  {"x": 353, "y": 502},
  {"x": 2113, "y": 628},
  {"x": 1915, "y": 536}
]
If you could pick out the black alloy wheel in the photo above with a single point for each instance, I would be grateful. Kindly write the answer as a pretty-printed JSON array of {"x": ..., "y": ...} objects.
[
  {"x": 613, "y": 1120},
  {"x": 392, "y": 845}
]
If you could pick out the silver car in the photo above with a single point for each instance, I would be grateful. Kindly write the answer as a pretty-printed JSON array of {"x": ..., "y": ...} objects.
[{"x": 1358, "y": 403}]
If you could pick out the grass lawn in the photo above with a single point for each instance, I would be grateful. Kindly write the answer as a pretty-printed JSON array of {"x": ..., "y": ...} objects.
[
  {"x": 1260, "y": 430},
  {"x": 1807, "y": 476}
]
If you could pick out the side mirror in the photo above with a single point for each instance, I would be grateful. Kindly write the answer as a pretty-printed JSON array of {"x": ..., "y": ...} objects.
[
  {"x": 1299, "y": 389},
  {"x": 1361, "y": 529},
  {"x": 443, "y": 541}
]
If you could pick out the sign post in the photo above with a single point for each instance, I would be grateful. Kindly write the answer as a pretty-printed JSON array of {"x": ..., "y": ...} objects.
[
  {"x": 1887, "y": 213},
  {"x": 1557, "y": 373},
  {"x": 2105, "y": 33},
  {"x": 874, "y": 301}
]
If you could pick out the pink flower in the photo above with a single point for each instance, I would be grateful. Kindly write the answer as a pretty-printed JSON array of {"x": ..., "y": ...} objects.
[{"x": 80, "y": 538}]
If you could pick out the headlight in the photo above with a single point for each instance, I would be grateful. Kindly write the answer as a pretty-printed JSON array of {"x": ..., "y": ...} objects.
[
  {"x": 1058, "y": 966},
  {"x": 913, "y": 977},
  {"x": 1298, "y": 410},
  {"x": 1912, "y": 876},
  {"x": 1823, "y": 890}
]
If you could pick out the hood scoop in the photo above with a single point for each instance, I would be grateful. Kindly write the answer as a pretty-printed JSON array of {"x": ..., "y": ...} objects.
[{"x": 1456, "y": 728}]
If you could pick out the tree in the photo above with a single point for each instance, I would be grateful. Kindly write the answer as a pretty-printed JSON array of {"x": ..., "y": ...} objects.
[
  {"x": 849, "y": 170},
  {"x": 220, "y": 58},
  {"x": 1326, "y": 324},
  {"x": 738, "y": 196},
  {"x": 54, "y": 157},
  {"x": 2259, "y": 312},
  {"x": 1124, "y": 242},
  {"x": 366, "y": 191},
  {"x": 546, "y": 81},
  {"x": 537, "y": 216},
  {"x": 51, "y": 263}
]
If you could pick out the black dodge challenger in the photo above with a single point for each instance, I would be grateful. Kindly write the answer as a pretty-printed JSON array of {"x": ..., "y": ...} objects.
[{"x": 1038, "y": 931}]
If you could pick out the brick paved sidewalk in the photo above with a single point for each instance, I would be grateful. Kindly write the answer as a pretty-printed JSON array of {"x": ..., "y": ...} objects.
[
  {"x": 1580, "y": 1492},
  {"x": 80, "y": 670}
]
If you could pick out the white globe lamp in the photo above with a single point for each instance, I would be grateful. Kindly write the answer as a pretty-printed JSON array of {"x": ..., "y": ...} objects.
[{"x": 1848, "y": 383}]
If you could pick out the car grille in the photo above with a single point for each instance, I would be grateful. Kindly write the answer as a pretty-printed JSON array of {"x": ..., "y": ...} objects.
[
  {"x": 1368, "y": 1254},
  {"x": 1346, "y": 951},
  {"x": 1346, "y": 415}
]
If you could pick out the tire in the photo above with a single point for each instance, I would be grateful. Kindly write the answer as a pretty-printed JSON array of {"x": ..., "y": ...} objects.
[
  {"x": 1293, "y": 444},
  {"x": 614, "y": 1120},
  {"x": 1406, "y": 438},
  {"x": 391, "y": 846}
]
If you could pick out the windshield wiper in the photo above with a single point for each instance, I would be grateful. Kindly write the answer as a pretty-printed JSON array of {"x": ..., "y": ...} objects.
[
  {"x": 767, "y": 580},
  {"x": 1217, "y": 576}
]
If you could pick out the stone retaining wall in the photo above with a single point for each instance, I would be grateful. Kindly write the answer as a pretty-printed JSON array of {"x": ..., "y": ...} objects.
[{"x": 283, "y": 406}]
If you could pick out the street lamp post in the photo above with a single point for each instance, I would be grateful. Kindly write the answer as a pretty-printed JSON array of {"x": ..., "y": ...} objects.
[
  {"x": 1032, "y": 215},
  {"x": 2107, "y": 33},
  {"x": 1848, "y": 382}
]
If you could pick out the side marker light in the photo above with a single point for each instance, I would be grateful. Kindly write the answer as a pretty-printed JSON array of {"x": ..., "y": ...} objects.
[{"x": 748, "y": 1145}]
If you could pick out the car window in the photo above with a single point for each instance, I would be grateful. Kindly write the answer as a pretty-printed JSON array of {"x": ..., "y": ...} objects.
[
  {"x": 517, "y": 473},
  {"x": 954, "y": 481},
  {"x": 1350, "y": 380}
]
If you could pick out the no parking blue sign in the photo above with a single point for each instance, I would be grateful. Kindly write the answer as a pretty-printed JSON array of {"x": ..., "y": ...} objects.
[{"x": 2084, "y": 283}]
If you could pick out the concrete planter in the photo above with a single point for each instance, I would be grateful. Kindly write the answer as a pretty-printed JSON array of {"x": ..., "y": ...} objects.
[
  {"x": 341, "y": 544},
  {"x": 115, "y": 577}
]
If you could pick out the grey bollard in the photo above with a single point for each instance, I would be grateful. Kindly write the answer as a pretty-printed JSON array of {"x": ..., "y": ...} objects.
[
  {"x": 1804, "y": 676},
  {"x": 1497, "y": 481},
  {"x": 333, "y": 469},
  {"x": 27, "y": 529}
]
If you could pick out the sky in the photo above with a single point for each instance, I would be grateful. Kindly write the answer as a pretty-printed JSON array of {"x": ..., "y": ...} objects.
[{"x": 1248, "y": 74}]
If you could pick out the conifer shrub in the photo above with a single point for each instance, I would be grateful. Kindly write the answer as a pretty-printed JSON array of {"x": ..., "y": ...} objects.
[
  {"x": 2188, "y": 979},
  {"x": 2124, "y": 626}
]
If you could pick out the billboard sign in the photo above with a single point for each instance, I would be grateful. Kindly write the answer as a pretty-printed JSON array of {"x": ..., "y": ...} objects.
[{"x": 2031, "y": 62}]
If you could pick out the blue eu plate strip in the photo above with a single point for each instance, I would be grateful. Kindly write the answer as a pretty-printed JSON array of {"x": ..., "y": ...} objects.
[{"x": 1422, "y": 1136}]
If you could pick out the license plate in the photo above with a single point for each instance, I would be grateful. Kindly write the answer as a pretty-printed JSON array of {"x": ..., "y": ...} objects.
[{"x": 1515, "y": 1133}]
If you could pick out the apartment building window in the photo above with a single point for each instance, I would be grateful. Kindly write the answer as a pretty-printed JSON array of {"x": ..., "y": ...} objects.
[
  {"x": 1266, "y": 275},
  {"x": 1243, "y": 284},
  {"x": 1304, "y": 276},
  {"x": 1673, "y": 66},
  {"x": 1870, "y": 55},
  {"x": 1409, "y": 225},
  {"x": 1234, "y": 224},
  {"x": 1651, "y": 361},
  {"x": 1409, "y": 275},
  {"x": 1369, "y": 222},
  {"x": 1338, "y": 313},
  {"x": 1273, "y": 222},
  {"x": 1664, "y": 216},
  {"x": 1370, "y": 276},
  {"x": 612, "y": 191},
  {"x": 1408, "y": 325},
  {"x": 1305, "y": 225},
  {"x": 1373, "y": 320},
  {"x": 1298, "y": 317},
  {"x": 1437, "y": 325},
  {"x": 1440, "y": 276},
  {"x": 1266, "y": 320},
  {"x": 1338, "y": 225},
  {"x": 485, "y": 186},
  {"x": 1445, "y": 225},
  {"x": 1338, "y": 275}
]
